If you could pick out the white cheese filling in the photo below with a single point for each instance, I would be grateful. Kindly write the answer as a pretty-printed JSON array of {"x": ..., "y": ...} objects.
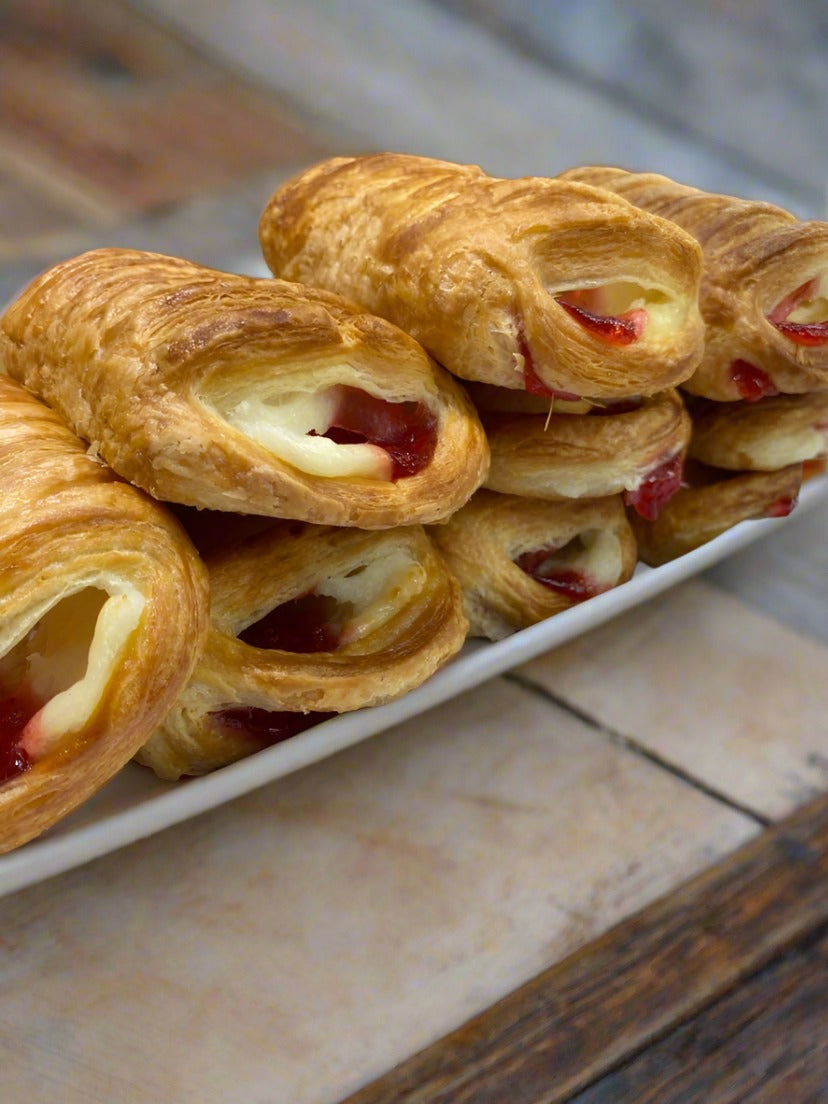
[
  {"x": 375, "y": 590},
  {"x": 282, "y": 424}
]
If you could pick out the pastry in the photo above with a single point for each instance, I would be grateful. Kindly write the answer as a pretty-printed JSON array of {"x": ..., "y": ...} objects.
[
  {"x": 530, "y": 284},
  {"x": 520, "y": 560},
  {"x": 762, "y": 436},
  {"x": 637, "y": 449},
  {"x": 103, "y": 607},
  {"x": 308, "y": 621},
  {"x": 712, "y": 502},
  {"x": 246, "y": 395},
  {"x": 764, "y": 295}
]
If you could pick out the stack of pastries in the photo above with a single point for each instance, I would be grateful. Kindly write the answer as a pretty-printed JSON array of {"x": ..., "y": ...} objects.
[{"x": 234, "y": 507}]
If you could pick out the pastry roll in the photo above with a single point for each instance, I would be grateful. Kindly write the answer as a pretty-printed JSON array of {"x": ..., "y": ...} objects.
[
  {"x": 764, "y": 295},
  {"x": 762, "y": 436},
  {"x": 103, "y": 607},
  {"x": 521, "y": 560},
  {"x": 246, "y": 395},
  {"x": 308, "y": 621},
  {"x": 636, "y": 449},
  {"x": 531, "y": 284},
  {"x": 712, "y": 502}
]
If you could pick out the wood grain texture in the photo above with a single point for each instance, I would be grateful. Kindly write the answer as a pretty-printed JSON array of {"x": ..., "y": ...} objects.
[
  {"x": 583, "y": 1017},
  {"x": 106, "y": 114},
  {"x": 697, "y": 678},
  {"x": 766, "y": 1042}
]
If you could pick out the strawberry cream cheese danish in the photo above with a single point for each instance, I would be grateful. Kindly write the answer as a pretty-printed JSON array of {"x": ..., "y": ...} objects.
[
  {"x": 521, "y": 560},
  {"x": 764, "y": 295},
  {"x": 308, "y": 621},
  {"x": 103, "y": 609},
  {"x": 536, "y": 284},
  {"x": 246, "y": 395}
]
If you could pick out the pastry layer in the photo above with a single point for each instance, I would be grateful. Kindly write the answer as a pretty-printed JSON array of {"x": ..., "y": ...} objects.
[
  {"x": 308, "y": 621},
  {"x": 520, "y": 560},
  {"x": 529, "y": 284},
  {"x": 247, "y": 395},
  {"x": 103, "y": 609}
]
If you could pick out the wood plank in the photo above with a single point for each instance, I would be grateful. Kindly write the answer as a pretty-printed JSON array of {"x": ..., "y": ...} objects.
[
  {"x": 299, "y": 941},
  {"x": 101, "y": 107},
  {"x": 581, "y": 1018},
  {"x": 765, "y": 1042},
  {"x": 711, "y": 685},
  {"x": 412, "y": 76},
  {"x": 745, "y": 81}
]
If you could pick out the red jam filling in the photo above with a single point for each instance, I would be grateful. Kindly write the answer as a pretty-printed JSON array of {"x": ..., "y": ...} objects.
[
  {"x": 532, "y": 383},
  {"x": 268, "y": 727},
  {"x": 575, "y": 585},
  {"x": 782, "y": 507},
  {"x": 751, "y": 382},
  {"x": 407, "y": 431},
  {"x": 15, "y": 714},
  {"x": 621, "y": 329},
  {"x": 802, "y": 333},
  {"x": 657, "y": 488},
  {"x": 304, "y": 624}
]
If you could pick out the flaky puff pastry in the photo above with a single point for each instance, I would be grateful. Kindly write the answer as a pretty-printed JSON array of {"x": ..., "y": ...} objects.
[
  {"x": 762, "y": 436},
  {"x": 521, "y": 560},
  {"x": 103, "y": 608},
  {"x": 533, "y": 283},
  {"x": 638, "y": 451},
  {"x": 764, "y": 295},
  {"x": 713, "y": 502},
  {"x": 247, "y": 395},
  {"x": 308, "y": 621}
]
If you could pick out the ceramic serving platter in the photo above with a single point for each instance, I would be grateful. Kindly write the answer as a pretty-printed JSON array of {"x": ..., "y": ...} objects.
[{"x": 136, "y": 804}]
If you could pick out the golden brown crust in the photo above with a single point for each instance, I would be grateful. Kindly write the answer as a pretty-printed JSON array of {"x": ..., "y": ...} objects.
[
  {"x": 755, "y": 255},
  {"x": 584, "y": 455},
  {"x": 70, "y": 531},
  {"x": 483, "y": 541},
  {"x": 698, "y": 513},
  {"x": 403, "y": 619},
  {"x": 471, "y": 266},
  {"x": 159, "y": 362},
  {"x": 762, "y": 436}
]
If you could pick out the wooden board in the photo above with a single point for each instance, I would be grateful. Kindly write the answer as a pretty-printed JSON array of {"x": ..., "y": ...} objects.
[
  {"x": 353, "y": 912},
  {"x": 584, "y": 1017},
  {"x": 690, "y": 678},
  {"x": 104, "y": 115}
]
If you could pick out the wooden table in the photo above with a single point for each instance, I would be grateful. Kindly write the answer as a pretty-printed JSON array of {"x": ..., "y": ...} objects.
[{"x": 602, "y": 877}]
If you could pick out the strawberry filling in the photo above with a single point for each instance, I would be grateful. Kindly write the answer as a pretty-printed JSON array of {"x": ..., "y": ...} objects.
[
  {"x": 304, "y": 624},
  {"x": 268, "y": 727},
  {"x": 782, "y": 507},
  {"x": 811, "y": 332},
  {"x": 584, "y": 305},
  {"x": 15, "y": 713},
  {"x": 656, "y": 488},
  {"x": 407, "y": 431},
  {"x": 532, "y": 383},
  {"x": 572, "y": 583},
  {"x": 751, "y": 382}
]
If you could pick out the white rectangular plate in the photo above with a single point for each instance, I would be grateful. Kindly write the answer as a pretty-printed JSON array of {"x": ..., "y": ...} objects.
[{"x": 137, "y": 804}]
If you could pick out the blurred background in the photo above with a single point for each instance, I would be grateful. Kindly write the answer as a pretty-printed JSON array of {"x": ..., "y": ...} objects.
[{"x": 166, "y": 124}]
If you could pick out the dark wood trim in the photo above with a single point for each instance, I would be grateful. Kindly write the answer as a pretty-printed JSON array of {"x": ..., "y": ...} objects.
[{"x": 587, "y": 1015}]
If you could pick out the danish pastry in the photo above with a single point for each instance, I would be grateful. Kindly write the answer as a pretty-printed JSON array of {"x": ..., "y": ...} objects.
[
  {"x": 533, "y": 284},
  {"x": 520, "y": 560},
  {"x": 636, "y": 449},
  {"x": 246, "y": 395},
  {"x": 308, "y": 621},
  {"x": 712, "y": 502},
  {"x": 762, "y": 436},
  {"x": 764, "y": 295},
  {"x": 103, "y": 607}
]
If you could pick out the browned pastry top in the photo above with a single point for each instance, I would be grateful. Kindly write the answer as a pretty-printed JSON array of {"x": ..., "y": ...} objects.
[{"x": 521, "y": 283}]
